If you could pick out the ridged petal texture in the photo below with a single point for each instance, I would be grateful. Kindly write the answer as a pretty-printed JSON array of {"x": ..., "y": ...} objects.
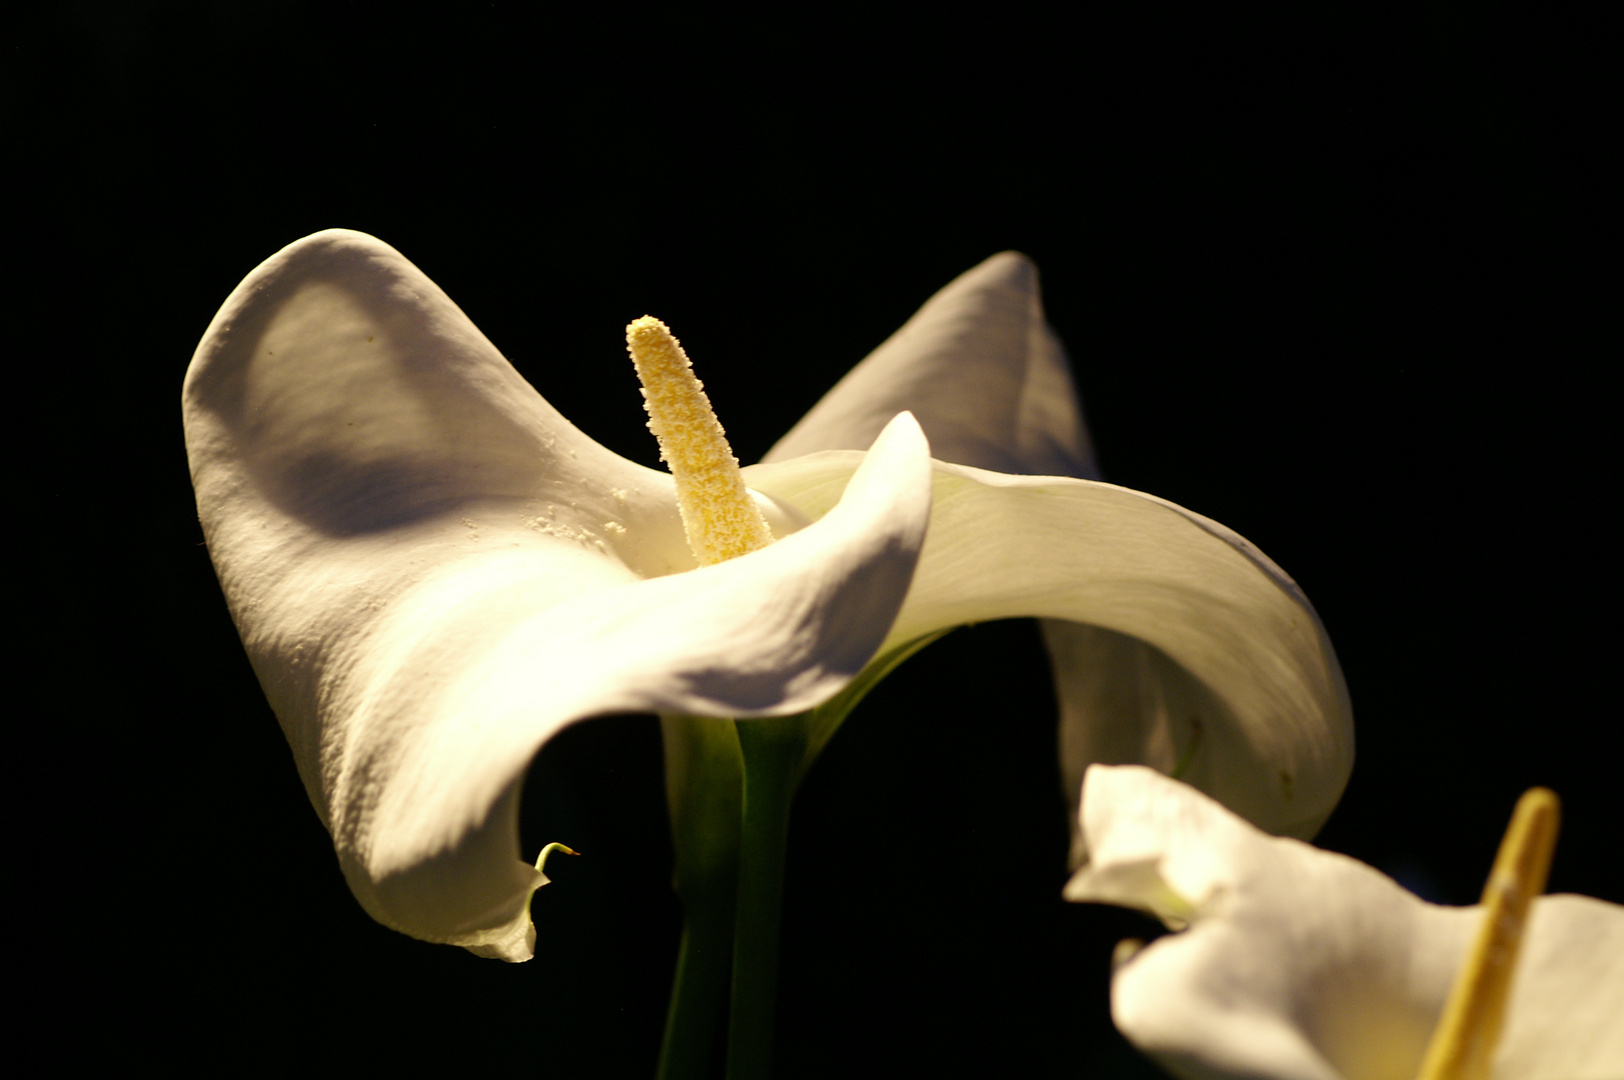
[{"x": 1301, "y": 964}]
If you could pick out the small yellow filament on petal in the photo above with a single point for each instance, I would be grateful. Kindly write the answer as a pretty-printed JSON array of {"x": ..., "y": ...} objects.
[
  {"x": 721, "y": 519},
  {"x": 1462, "y": 1047},
  {"x": 541, "y": 860}
]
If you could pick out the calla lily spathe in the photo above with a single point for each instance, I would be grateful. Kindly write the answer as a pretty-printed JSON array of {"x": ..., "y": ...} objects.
[
  {"x": 1300, "y": 964},
  {"x": 434, "y": 572}
]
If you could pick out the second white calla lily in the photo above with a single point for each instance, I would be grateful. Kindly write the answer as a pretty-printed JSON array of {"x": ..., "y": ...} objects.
[
  {"x": 434, "y": 572},
  {"x": 1292, "y": 963}
]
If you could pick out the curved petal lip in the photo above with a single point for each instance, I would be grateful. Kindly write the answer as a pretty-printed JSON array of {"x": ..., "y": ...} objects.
[
  {"x": 775, "y": 632},
  {"x": 1144, "y": 668},
  {"x": 1176, "y": 642}
]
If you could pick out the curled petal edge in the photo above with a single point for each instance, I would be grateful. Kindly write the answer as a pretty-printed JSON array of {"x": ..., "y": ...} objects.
[
  {"x": 426, "y": 824},
  {"x": 1176, "y": 642}
]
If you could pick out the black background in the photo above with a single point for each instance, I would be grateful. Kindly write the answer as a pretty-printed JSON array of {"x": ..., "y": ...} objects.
[{"x": 1323, "y": 277}]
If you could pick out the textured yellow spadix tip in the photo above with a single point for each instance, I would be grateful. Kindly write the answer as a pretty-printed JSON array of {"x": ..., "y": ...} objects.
[
  {"x": 1462, "y": 1047},
  {"x": 721, "y": 519}
]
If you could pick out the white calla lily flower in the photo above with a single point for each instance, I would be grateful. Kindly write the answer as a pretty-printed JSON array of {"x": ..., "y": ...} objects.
[
  {"x": 1293, "y": 963},
  {"x": 434, "y": 572}
]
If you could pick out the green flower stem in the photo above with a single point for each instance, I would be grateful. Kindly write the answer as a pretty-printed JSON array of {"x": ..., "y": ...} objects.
[
  {"x": 705, "y": 787},
  {"x": 698, "y": 1009},
  {"x": 773, "y": 751},
  {"x": 730, "y": 785}
]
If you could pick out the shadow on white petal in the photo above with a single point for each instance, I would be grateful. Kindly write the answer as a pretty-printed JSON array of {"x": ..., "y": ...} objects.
[
  {"x": 448, "y": 725},
  {"x": 982, "y": 371}
]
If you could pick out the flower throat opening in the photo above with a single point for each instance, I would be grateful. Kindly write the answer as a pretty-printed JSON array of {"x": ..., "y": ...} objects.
[{"x": 719, "y": 515}]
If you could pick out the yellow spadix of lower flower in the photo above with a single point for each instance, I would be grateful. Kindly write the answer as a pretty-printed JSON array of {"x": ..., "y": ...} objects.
[
  {"x": 718, "y": 513},
  {"x": 1462, "y": 1047}
]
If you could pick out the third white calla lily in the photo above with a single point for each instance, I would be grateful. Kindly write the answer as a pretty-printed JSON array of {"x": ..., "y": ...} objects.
[{"x": 434, "y": 572}]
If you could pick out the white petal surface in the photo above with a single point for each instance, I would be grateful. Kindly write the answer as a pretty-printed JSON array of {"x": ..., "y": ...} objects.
[
  {"x": 1300, "y": 964},
  {"x": 1174, "y": 643},
  {"x": 433, "y": 572},
  {"x": 1187, "y": 646},
  {"x": 981, "y": 370}
]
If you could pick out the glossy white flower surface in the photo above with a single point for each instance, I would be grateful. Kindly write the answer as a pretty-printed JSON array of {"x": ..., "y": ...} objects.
[
  {"x": 1292, "y": 963},
  {"x": 434, "y": 572}
]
